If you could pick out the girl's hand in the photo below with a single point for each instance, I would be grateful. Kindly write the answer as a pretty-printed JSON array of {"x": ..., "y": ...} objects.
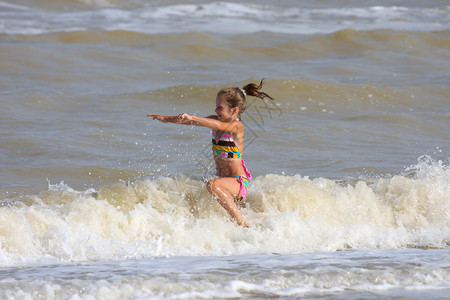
[
  {"x": 184, "y": 118},
  {"x": 157, "y": 117}
]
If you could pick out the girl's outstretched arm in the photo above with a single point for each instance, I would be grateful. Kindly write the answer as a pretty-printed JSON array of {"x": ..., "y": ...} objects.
[
  {"x": 171, "y": 119},
  {"x": 164, "y": 119},
  {"x": 210, "y": 122}
]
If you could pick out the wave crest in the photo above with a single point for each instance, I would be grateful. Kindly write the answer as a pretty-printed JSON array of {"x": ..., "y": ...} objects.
[{"x": 176, "y": 216}]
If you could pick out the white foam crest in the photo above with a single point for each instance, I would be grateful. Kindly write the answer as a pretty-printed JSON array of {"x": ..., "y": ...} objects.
[
  {"x": 176, "y": 216},
  {"x": 226, "y": 17},
  {"x": 428, "y": 168},
  {"x": 217, "y": 9}
]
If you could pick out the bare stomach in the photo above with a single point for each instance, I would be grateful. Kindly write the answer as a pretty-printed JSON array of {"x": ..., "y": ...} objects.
[{"x": 229, "y": 167}]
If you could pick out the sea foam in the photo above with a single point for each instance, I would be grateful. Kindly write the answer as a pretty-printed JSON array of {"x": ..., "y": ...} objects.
[{"x": 176, "y": 216}]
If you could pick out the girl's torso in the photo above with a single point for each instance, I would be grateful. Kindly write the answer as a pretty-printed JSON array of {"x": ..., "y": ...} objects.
[
  {"x": 230, "y": 167},
  {"x": 227, "y": 152}
]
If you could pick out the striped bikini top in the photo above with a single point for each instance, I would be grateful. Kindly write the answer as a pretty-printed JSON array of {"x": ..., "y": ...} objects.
[{"x": 225, "y": 147}]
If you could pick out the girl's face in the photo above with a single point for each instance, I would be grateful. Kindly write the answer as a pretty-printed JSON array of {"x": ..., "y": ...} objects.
[{"x": 223, "y": 110}]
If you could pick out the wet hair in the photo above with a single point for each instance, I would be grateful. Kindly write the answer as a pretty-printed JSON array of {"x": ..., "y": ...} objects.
[{"x": 235, "y": 97}]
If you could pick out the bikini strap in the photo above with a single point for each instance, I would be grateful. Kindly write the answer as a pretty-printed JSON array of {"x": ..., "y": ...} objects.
[{"x": 247, "y": 172}]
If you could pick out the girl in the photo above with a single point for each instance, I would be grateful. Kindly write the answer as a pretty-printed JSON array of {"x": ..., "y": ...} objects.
[{"x": 227, "y": 144}]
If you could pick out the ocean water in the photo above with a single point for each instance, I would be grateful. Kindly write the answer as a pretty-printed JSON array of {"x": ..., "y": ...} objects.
[{"x": 351, "y": 162}]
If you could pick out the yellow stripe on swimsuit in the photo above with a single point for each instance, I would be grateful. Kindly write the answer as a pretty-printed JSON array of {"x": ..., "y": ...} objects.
[{"x": 225, "y": 146}]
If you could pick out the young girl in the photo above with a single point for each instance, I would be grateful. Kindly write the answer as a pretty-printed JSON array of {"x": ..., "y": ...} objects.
[{"x": 227, "y": 144}]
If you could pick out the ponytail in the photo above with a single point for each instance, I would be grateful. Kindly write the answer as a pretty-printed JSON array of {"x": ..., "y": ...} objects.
[
  {"x": 235, "y": 97},
  {"x": 252, "y": 89}
]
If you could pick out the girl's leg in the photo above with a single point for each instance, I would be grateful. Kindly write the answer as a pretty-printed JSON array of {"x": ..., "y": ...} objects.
[{"x": 224, "y": 190}]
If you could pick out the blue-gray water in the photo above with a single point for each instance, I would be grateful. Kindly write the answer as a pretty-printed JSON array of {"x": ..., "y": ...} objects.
[{"x": 351, "y": 161}]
